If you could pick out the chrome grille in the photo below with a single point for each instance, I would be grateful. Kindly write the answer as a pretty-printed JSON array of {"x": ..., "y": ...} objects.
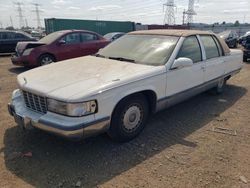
[{"x": 35, "y": 102}]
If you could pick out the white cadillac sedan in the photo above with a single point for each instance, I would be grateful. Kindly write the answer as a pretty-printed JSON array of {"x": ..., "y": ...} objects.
[{"x": 116, "y": 90}]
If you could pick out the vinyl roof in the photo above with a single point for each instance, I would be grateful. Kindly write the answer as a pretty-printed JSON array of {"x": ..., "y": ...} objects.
[
  {"x": 181, "y": 33},
  {"x": 171, "y": 32}
]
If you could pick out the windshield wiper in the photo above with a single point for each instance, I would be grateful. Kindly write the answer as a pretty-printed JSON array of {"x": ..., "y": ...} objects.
[
  {"x": 122, "y": 59},
  {"x": 99, "y": 55}
]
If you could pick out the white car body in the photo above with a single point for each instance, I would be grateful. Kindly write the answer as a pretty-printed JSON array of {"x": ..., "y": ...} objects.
[{"x": 108, "y": 82}]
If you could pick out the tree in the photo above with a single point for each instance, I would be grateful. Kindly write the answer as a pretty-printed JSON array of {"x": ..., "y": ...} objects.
[
  {"x": 10, "y": 28},
  {"x": 237, "y": 23},
  {"x": 223, "y": 23}
]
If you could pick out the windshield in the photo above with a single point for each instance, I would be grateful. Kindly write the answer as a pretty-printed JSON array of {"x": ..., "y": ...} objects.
[
  {"x": 142, "y": 49},
  {"x": 51, "y": 37},
  {"x": 109, "y": 36}
]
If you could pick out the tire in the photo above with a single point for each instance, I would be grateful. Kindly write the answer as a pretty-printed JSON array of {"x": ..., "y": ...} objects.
[
  {"x": 129, "y": 118},
  {"x": 235, "y": 44},
  {"x": 46, "y": 59}
]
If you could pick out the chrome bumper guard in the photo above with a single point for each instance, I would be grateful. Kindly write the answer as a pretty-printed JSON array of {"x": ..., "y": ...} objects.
[{"x": 85, "y": 131}]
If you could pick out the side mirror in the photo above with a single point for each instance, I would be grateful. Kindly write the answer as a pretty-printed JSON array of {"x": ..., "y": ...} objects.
[
  {"x": 182, "y": 62},
  {"x": 61, "y": 42}
]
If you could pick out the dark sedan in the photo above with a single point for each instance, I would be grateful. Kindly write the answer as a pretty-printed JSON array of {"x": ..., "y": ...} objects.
[
  {"x": 58, "y": 46},
  {"x": 9, "y": 40},
  {"x": 246, "y": 50},
  {"x": 230, "y": 37}
]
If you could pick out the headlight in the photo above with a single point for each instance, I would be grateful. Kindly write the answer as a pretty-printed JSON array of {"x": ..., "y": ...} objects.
[
  {"x": 27, "y": 51},
  {"x": 72, "y": 109}
]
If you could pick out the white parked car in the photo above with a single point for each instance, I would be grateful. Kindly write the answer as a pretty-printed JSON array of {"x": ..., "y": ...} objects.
[{"x": 116, "y": 90}]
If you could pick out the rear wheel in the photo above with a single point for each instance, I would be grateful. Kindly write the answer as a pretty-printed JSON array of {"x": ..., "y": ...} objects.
[
  {"x": 220, "y": 86},
  {"x": 129, "y": 118},
  {"x": 46, "y": 59}
]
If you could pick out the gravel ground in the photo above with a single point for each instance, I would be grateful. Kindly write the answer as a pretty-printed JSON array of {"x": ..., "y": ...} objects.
[{"x": 177, "y": 149}]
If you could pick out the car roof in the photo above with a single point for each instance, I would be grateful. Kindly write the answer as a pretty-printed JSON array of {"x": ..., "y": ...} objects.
[
  {"x": 12, "y": 31},
  {"x": 171, "y": 32},
  {"x": 74, "y": 30}
]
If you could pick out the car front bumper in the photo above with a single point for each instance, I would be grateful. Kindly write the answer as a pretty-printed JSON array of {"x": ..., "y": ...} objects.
[
  {"x": 27, "y": 61},
  {"x": 71, "y": 128}
]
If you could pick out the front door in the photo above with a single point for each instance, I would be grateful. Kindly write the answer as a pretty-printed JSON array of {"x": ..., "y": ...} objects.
[{"x": 186, "y": 79}]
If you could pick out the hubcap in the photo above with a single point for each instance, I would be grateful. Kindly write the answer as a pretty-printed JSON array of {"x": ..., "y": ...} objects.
[
  {"x": 132, "y": 118},
  {"x": 46, "y": 60}
]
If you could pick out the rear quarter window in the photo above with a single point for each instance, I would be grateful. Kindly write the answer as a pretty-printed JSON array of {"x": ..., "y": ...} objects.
[{"x": 210, "y": 46}]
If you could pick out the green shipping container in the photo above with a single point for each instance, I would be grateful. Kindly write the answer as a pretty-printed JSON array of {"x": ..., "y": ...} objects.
[{"x": 98, "y": 26}]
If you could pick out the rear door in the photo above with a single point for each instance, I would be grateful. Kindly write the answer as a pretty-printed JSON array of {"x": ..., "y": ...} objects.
[
  {"x": 90, "y": 43},
  {"x": 69, "y": 48},
  {"x": 187, "y": 78},
  {"x": 214, "y": 59}
]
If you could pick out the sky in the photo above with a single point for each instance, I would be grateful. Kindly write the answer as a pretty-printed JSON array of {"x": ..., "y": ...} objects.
[{"x": 140, "y": 11}]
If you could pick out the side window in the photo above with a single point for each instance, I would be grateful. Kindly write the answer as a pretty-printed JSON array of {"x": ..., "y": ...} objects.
[
  {"x": 19, "y": 36},
  {"x": 191, "y": 49},
  {"x": 218, "y": 46},
  {"x": 210, "y": 46},
  {"x": 6, "y": 36},
  {"x": 87, "y": 37},
  {"x": 72, "y": 38},
  {"x": 11, "y": 36}
]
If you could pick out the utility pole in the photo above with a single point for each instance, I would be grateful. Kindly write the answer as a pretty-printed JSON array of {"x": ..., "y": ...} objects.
[
  {"x": 37, "y": 11},
  {"x": 183, "y": 16},
  {"x": 26, "y": 23},
  {"x": 169, "y": 17},
  {"x": 11, "y": 22},
  {"x": 20, "y": 13},
  {"x": 190, "y": 12}
]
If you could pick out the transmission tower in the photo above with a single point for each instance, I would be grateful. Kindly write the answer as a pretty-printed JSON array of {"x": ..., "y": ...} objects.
[
  {"x": 20, "y": 13},
  {"x": 190, "y": 12},
  {"x": 169, "y": 17},
  {"x": 37, "y": 11}
]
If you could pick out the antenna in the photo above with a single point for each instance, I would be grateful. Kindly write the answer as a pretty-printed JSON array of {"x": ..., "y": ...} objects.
[
  {"x": 169, "y": 17},
  {"x": 37, "y": 11},
  {"x": 20, "y": 13},
  {"x": 190, "y": 12}
]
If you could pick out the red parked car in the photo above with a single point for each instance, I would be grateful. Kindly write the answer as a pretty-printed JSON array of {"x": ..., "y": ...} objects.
[{"x": 58, "y": 46}]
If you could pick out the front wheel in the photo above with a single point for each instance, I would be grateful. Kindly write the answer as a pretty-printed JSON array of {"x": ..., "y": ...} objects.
[
  {"x": 46, "y": 59},
  {"x": 129, "y": 118}
]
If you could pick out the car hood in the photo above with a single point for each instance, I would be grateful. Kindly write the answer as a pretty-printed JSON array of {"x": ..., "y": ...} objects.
[
  {"x": 75, "y": 79},
  {"x": 21, "y": 46}
]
